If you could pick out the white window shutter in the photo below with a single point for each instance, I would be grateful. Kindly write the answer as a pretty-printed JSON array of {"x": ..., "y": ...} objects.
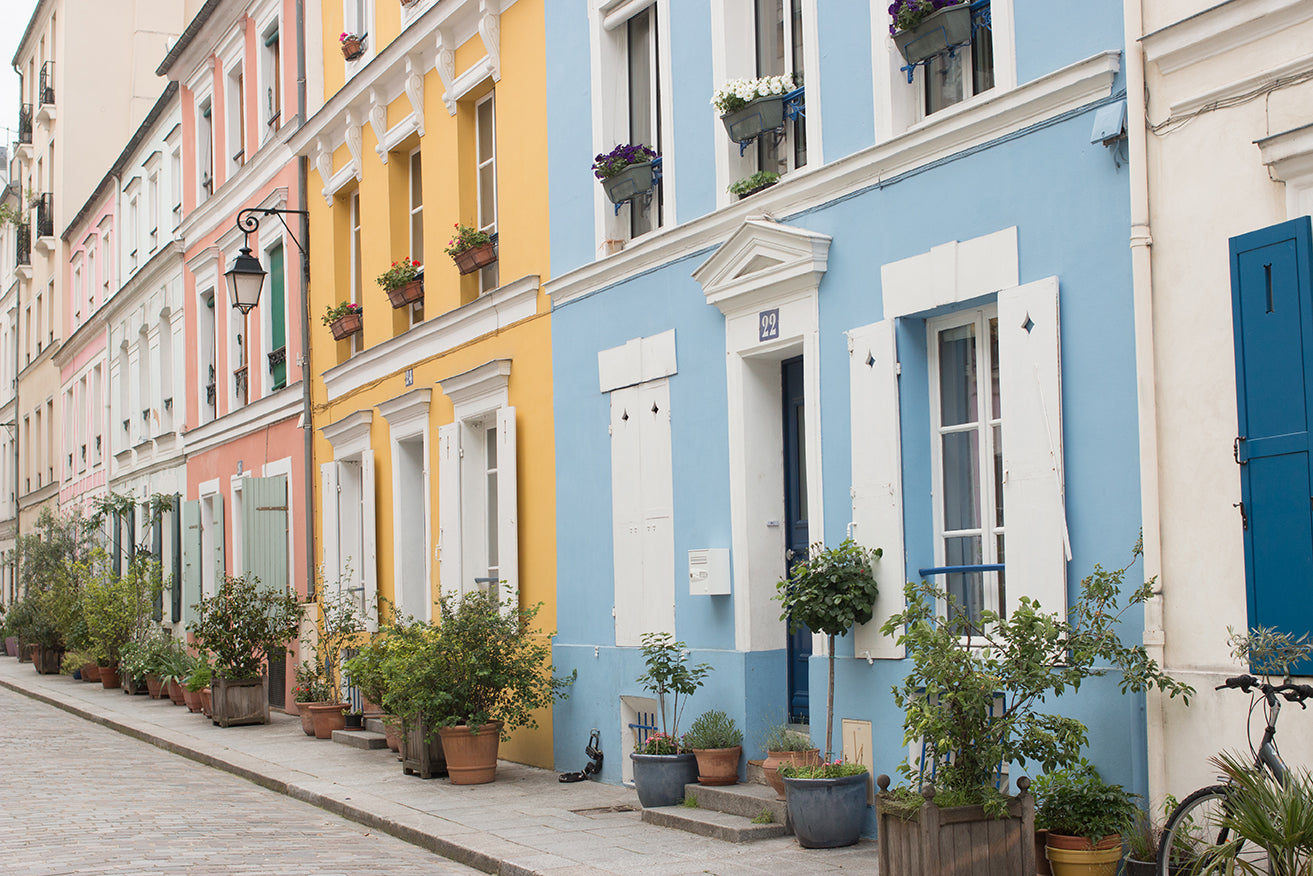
[
  {"x": 626, "y": 525},
  {"x": 508, "y": 515},
  {"x": 368, "y": 543},
  {"x": 191, "y": 561},
  {"x": 449, "y": 508},
  {"x": 331, "y": 565},
  {"x": 1034, "y": 507},
  {"x": 877, "y": 476},
  {"x": 656, "y": 494}
]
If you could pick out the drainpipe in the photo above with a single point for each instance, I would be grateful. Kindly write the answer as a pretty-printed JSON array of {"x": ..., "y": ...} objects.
[
  {"x": 306, "y": 405},
  {"x": 1146, "y": 377}
]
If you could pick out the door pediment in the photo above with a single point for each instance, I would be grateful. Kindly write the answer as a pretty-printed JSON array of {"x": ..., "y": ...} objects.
[{"x": 763, "y": 260}]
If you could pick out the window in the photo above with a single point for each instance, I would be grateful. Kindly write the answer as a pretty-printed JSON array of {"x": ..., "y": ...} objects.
[
  {"x": 77, "y": 293},
  {"x": 357, "y": 18},
  {"x": 644, "y": 108},
  {"x": 125, "y": 398},
  {"x": 134, "y": 232},
  {"x": 408, "y": 418},
  {"x": 152, "y": 211},
  {"x": 967, "y": 428},
  {"x": 175, "y": 185},
  {"x": 478, "y": 527},
  {"x": 90, "y": 299},
  {"x": 486, "y": 156},
  {"x": 350, "y": 558},
  {"x": 356, "y": 256},
  {"x": 207, "y": 342},
  {"x": 97, "y": 413},
  {"x": 143, "y": 382},
  {"x": 165, "y": 371},
  {"x": 272, "y": 99},
  {"x": 236, "y": 127},
  {"x": 950, "y": 77},
  {"x": 205, "y": 151},
  {"x": 106, "y": 274},
  {"x": 277, "y": 319},
  {"x": 416, "y": 195},
  {"x": 780, "y": 51}
]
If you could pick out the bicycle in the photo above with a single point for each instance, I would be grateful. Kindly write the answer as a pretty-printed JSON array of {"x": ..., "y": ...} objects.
[{"x": 1199, "y": 820}]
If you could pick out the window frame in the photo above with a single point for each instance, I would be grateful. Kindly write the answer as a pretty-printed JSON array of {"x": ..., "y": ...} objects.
[{"x": 489, "y": 277}]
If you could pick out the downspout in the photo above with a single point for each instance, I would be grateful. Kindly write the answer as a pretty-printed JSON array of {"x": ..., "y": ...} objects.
[
  {"x": 1146, "y": 385},
  {"x": 306, "y": 405}
]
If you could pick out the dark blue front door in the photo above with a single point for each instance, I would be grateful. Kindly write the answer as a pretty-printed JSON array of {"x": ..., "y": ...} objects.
[
  {"x": 795, "y": 516},
  {"x": 1272, "y": 306}
]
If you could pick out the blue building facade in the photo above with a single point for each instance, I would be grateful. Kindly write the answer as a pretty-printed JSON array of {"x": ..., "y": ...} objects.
[{"x": 920, "y": 336}]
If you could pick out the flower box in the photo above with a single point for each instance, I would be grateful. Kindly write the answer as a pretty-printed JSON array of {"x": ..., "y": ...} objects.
[
  {"x": 352, "y": 48},
  {"x": 345, "y": 326},
  {"x": 752, "y": 191},
  {"x": 411, "y": 293},
  {"x": 935, "y": 34},
  {"x": 239, "y": 701},
  {"x": 629, "y": 183},
  {"x": 762, "y": 115},
  {"x": 470, "y": 260},
  {"x": 422, "y": 754}
]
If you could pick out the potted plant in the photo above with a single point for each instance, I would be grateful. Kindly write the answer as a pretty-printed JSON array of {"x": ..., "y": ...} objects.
[
  {"x": 310, "y": 689},
  {"x": 344, "y": 319},
  {"x": 717, "y": 743},
  {"x": 355, "y": 719},
  {"x": 750, "y": 107},
  {"x": 950, "y": 700},
  {"x": 407, "y": 678},
  {"x": 493, "y": 672},
  {"x": 404, "y": 282},
  {"x": 829, "y": 592},
  {"x": 353, "y": 45},
  {"x": 786, "y": 746},
  {"x": 198, "y": 678},
  {"x": 117, "y": 607},
  {"x": 1142, "y": 843},
  {"x": 626, "y": 171},
  {"x": 762, "y": 179},
  {"x": 924, "y": 28},
  {"x": 471, "y": 248},
  {"x": 240, "y": 625},
  {"x": 1085, "y": 818},
  {"x": 662, "y": 767},
  {"x": 340, "y": 619}
]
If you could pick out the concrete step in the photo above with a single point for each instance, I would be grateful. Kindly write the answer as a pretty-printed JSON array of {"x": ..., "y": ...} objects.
[
  {"x": 360, "y": 739},
  {"x": 710, "y": 823},
  {"x": 374, "y": 725},
  {"x": 745, "y": 801}
]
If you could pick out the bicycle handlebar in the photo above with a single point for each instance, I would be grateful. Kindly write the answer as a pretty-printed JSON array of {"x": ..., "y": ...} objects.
[{"x": 1295, "y": 693}]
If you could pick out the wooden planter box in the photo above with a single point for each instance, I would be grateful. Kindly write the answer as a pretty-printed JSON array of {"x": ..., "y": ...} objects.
[
  {"x": 239, "y": 701},
  {"x": 420, "y": 756},
  {"x": 411, "y": 293},
  {"x": 352, "y": 49},
  {"x": 471, "y": 260},
  {"x": 48, "y": 660},
  {"x": 346, "y": 326},
  {"x": 961, "y": 839},
  {"x": 934, "y": 35}
]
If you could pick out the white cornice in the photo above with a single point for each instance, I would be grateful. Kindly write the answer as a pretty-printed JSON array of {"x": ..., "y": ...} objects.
[
  {"x": 761, "y": 260},
  {"x": 407, "y": 413},
  {"x": 972, "y": 123},
  {"x": 350, "y": 435},
  {"x": 478, "y": 390},
  {"x": 259, "y": 414},
  {"x": 1222, "y": 28},
  {"x": 488, "y": 313},
  {"x": 1289, "y": 154}
]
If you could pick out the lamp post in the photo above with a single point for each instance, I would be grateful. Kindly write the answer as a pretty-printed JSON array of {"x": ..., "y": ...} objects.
[{"x": 246, "y": 276}]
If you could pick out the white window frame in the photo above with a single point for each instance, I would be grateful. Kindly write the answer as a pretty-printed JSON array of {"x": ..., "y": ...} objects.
[
  {"x": 270, "y": 124},
  {"x": 416, "y": 212},
  {"x": 407, "y": 417},
  {"x": 488, "y": 276},
  {"x": 988, "y": 530},
  {"x": 352, "y": 10},
  {"x": 357, "y": 277},
  {"x": 352, "y": 464},
  {"x": 205, "y": 170}
]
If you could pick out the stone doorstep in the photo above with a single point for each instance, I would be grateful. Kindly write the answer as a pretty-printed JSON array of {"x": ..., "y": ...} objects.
[
  {"x": 745, "y": 801},
  {"x": 711, "y": 823},
  {"x": 360, "y": 739}
]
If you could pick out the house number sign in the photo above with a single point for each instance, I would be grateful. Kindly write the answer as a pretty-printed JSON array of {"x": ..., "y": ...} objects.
[{"x": 768, "y": 324}]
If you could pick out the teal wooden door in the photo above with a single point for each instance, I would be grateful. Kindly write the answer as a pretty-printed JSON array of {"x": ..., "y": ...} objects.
[{"x": 1272, "y": 308}]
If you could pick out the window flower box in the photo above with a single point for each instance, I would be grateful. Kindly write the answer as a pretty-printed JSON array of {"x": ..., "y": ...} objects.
[
  {"x": 353, "y": 46},
  {"x": 471, "y": 260},
  {"x": 344, "y": 320},
  {"x": 404, "y": 282},
  {"x": 751, "y": 107},
  {"x": 411, "y": 293},
  {"x": 627, "y": 171},
  {"x": 935, "y": 34},
  {"x": 471, "y": 249}
]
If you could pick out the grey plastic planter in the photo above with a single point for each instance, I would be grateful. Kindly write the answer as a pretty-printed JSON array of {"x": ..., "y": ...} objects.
[
  {"x": 947, "y": 27},
  {"x": 763, "y": 114},
  {"x": 827, "y": 813},
  {"x": 659, "y": 779},
  {"x": 634, "y": 180}
]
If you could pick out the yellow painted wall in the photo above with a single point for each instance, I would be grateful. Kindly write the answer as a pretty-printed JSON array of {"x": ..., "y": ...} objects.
[{"x": 449, "y": 187}]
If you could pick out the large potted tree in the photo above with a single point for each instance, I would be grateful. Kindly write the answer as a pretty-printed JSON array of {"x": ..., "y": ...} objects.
[
  {"x": 495, "y": 674},
  {"x": 977, "y": 709},
  {"x": 117, "y": 608},
  {"x": 829, "y": 592},
  {"x": 241, "y": 625},
  {"x": 662, "y": 766},
  {"x": 340, "y": 621}
]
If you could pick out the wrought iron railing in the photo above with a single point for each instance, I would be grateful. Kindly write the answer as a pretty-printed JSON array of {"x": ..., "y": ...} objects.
[
  {"x": 25, "y": 123},
  {"x": 45, "y": 215},
  {"x": 23, "y": 245},
  {"x": 46, "y": 84}
]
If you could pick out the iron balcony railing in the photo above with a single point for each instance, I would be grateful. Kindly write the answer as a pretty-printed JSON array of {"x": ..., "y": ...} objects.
[
  {"x": 25, "y": 123},
  {"x": 46, "y": 84},
  {"x": 23, "y": 241},
  {"x": 45, "y": 215}
]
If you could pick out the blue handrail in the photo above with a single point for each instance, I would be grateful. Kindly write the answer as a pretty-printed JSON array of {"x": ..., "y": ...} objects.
[{"x": 957, "y": 570}]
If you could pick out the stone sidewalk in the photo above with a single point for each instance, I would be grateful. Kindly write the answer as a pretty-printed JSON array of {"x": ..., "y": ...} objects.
[{"x": 524, "y": 823}]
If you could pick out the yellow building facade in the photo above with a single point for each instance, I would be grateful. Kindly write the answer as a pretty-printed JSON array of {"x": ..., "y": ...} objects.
[{"x": 433, "y": 421}]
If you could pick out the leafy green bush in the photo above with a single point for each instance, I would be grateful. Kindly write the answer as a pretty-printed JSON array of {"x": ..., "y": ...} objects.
[
  {"x": 118, "y": 607},
  {"x": 668, "y": 672},
  {"x": 759, "y": 180},
  {"x": 780, "y": 737},
  {"x": 243, "y": 623},
  {"x": 1076, "y": 801},
  {"x": 713, "y": 729},
  {"x": 198, "y": 676}
]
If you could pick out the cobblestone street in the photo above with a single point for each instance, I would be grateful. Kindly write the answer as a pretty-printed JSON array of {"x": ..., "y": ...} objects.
[{"x": 80, "y": 798}]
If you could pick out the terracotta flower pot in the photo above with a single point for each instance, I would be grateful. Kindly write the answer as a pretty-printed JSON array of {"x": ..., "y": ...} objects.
[
  {"x": 91, "y": 671},
  {"x": 207, "y": 707},
  {"x": 345, "y": 326},
  {"x": 718, "y": 766},
  {"x": 175, "y": 694},
  {"x": 775, "y": 759},
  {"x": 109, "y": 676},
  {"x": 153, "y": 686},
  {"x": 410, "y": 293},
  {"x": 470, "y": 260},
  {"x": 392, "y": 731},
  {"x": 352, "y": 48},
  {"x": 471, "y": 757},
  {"x": 307, "y": 720},
  {"x": 1077, "y": 856},
  {"x": 192, "y": 698},
  {"x": 11, "y": 646},
  {"x": 328, "y": 717}
]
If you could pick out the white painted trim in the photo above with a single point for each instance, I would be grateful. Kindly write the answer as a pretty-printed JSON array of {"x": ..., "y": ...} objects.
[
  {"x": 1226, "y": 26},
  {"x": 637, "y": 361},
  {"x": 994, "y": 114},
  {"x": 260, "y": 414},
  {"x": 407, "y": 414},
  {"x": 488, "y": 313},
  {"x": 760, "y": 261},
  {"x": 950, "y": 273},
  {"x": 1237, "y": 88},
  {"x": 478, "y": 390},
  {"x": 1289, "y": 158},
  {"x": 407, "y": 417},
  {"x": 350, "y": 435},
  {"x": 238, "y": 191}
]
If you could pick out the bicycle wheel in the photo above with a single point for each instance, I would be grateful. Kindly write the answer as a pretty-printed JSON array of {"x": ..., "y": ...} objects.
[{"x": 1198, "y": 826}]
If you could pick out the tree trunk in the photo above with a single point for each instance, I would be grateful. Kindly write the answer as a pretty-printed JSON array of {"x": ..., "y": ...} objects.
[{"x": 829, "y": 705}]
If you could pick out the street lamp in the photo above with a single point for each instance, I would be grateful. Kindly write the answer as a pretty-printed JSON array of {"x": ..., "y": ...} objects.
[{"x": 246, "y": 276}]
